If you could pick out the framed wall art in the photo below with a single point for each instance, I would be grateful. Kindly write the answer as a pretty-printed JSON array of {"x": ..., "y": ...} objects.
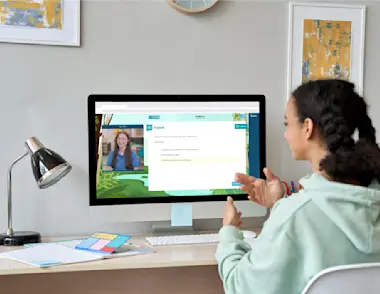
[
  {"x": 326, "y": 41},
  {"x": 47, "y": 22}
]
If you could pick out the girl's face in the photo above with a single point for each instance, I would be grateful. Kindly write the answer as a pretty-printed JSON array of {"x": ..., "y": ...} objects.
[
  {"x": 122, "y": 140},
  {"x": 295, "y": 133}
]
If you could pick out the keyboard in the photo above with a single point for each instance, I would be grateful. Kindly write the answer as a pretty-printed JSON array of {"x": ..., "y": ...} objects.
[{"x": 183, "y": 239}]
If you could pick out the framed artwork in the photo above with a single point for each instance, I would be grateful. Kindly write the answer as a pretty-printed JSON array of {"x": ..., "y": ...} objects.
[
  {"x": 326, "y": 41},
  {"x": 47, "y": 22}
]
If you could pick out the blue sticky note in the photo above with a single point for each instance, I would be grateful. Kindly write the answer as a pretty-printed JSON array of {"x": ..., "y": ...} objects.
[{"x": 182, "y": 215}]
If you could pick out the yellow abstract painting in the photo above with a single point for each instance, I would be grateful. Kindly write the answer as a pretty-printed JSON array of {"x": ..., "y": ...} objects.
[
  {"x": 326, "y": 49},
  {"x": 45, "y": 14}
]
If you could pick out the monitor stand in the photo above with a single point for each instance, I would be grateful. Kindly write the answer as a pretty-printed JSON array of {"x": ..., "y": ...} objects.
[{"x": 181, "y": 222}]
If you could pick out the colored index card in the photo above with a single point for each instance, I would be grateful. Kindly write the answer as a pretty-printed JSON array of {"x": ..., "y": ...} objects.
[
  {"x": 100, "y": 244},
  {"x": 118, "y": 241},
  {"x": 87, "y": 243},
  {"x": 104, "y": 236},
  {"x": 182, "y": 215}
]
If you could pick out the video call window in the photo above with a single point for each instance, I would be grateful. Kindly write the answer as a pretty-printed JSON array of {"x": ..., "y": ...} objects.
[{"x": 123, "y": 149}]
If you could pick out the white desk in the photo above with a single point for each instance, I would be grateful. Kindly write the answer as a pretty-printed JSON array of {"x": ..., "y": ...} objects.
[{"x": 179, "y": 269}]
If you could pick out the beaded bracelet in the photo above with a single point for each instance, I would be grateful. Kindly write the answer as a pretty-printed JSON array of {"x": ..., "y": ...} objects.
[{"x": 291, "y": 188}]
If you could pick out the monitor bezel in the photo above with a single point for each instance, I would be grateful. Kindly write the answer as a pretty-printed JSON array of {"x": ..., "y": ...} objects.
[{"x": 93, "y": 98}]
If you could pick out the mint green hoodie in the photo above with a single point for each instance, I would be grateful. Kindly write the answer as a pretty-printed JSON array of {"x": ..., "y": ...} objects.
[{"x": 323, "y": 225}]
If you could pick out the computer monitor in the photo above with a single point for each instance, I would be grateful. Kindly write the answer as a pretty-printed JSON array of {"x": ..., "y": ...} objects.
[{"x": 148, "y": 151}]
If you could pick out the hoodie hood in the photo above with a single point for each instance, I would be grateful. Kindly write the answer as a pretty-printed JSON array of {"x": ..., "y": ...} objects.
[{"x": 354, "y": 209}]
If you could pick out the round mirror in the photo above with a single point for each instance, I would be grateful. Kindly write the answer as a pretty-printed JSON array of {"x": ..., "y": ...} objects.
[{"x": 192, "y": 6}]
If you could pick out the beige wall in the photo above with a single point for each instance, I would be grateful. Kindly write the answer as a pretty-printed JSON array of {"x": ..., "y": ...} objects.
[{"x": 142, "y": 47}]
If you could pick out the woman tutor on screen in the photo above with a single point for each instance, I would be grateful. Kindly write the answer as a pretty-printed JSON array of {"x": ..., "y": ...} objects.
[{"x": 122, "y": 157}]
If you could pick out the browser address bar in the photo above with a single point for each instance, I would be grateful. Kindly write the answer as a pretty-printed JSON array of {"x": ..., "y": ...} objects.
[
  {"x": 123, "y": 107},
  {"x": 178, "y": 110}
]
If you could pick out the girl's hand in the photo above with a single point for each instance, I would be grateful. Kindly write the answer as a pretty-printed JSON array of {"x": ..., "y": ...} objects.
[
  {"x": 263, "y": 192},
  {"x": 231, "y": 215}
]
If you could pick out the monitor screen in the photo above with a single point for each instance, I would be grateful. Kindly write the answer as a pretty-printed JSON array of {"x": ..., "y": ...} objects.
[{"x": 173, "y": 148}]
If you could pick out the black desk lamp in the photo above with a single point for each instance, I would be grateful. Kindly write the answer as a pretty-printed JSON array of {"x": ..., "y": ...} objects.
[{"x": 48, "y": 168}]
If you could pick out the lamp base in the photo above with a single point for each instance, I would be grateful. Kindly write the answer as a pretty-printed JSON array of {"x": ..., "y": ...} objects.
[{"x": 20, "y": 238}]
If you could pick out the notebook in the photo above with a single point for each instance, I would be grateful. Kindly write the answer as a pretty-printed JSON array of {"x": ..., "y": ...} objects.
[
  {"x": 50, "y": 254},
  {"x": 126, "y": 249}
]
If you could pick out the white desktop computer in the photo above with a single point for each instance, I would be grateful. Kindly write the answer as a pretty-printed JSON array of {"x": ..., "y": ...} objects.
[{"x": 152, "y": 154}]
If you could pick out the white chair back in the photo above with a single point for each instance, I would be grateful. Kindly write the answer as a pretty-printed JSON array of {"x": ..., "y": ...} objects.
[{"x": 346, "y": 279}]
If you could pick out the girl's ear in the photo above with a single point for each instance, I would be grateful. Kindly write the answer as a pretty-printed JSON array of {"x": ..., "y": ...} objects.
[{"x": 308, "y": 127}]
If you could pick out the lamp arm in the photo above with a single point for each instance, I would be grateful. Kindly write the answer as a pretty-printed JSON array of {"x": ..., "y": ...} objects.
[{"x": 10, "y": 229}]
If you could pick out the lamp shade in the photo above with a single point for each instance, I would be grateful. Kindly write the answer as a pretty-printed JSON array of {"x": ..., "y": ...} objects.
[{"x": 48, "y": 166}]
